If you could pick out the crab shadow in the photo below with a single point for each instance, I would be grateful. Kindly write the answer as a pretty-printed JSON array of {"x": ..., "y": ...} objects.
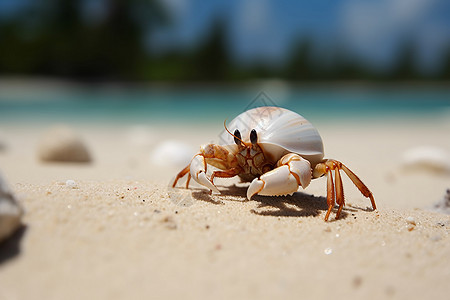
[
  {"x": 298, "y": 205},
  {"x": 203, "y": 195}
]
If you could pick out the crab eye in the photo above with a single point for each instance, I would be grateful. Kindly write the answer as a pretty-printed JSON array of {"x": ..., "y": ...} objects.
[
  {"x": 237, "y": 137},
  {"x": 253, "y": 136}
]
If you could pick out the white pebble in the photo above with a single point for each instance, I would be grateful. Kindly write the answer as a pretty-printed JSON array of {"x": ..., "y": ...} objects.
[
  {"x": 173, "y": 153},
  {"x": 71, "y": 184},
  {"x": 427, "y": 158},
  {"x": 328, "y": 251},
  {"x": 411, "y": 220}
]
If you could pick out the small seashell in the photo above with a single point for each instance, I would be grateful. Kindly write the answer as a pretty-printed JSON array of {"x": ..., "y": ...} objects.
[
  {"x": 427, "y": 158},
  {"x": 411, "y": 220},
  {"x": 172, "y": 152},
  {"x": 71, "y": 184}
]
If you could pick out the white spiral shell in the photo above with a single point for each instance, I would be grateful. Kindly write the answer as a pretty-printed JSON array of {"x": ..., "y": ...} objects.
[{"x": 280, "y": 131}]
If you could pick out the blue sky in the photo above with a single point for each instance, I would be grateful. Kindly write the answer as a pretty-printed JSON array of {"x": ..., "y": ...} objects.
[
  {"x": 256, "y": 28},
  {"x": 371, "y": 30}
]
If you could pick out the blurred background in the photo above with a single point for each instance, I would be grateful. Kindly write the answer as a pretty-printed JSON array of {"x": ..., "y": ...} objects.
[
  {"x": 185, "y": 40},
  {"x": 87, "y": 57}
]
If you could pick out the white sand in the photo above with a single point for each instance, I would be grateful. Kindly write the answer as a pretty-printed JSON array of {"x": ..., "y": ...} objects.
[{"x": 121, "y": 234}]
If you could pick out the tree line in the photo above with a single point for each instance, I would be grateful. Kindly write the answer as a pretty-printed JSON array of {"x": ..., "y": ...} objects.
[{"x": 56, "y": 39}]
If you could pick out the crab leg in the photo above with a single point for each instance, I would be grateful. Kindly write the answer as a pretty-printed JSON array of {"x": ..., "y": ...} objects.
[
  {"x": 214, "y": 155},
  {"x": 327, "y": 167},
  {"x": 339, "y": 192},
  {"x": 197, "y": 171},
  {"x": 181, "y": 175},
  {"x": 292, "y": 171},
  {"x": 330, "y": 193},
  {"x": 360, "y": 185}
]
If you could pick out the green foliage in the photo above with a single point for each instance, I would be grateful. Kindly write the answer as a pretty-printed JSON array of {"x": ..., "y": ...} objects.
[
  {"x": 54, "y": 38},
  {"x": 60, "y": 42}
]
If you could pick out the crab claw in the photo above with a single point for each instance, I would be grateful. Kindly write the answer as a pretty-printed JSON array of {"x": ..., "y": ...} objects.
[
  {"x": 292, "y": 172},
  {"x": 198, "y": 172}
]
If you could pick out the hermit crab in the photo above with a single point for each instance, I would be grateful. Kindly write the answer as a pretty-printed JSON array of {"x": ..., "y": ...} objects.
[{"x": 275, "y": 149}]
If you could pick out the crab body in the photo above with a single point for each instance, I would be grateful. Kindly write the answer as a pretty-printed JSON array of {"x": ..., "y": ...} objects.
[
  {"x": 275, "y": 149},
  {"x": 279, "y": 132}
]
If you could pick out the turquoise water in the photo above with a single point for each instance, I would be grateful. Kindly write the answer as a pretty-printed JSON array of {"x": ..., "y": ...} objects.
[{"x": 173, "y": 105}]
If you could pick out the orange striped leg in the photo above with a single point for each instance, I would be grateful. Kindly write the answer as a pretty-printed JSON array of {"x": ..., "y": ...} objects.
[
  {"x": 330, "y": 192},
  {"x": 335, "y": 189}
]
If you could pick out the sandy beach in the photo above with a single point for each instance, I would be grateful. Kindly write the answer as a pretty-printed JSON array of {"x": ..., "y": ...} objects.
[
  {"x": 104, "y": 103},
  {"x": 121, "y": 233}
]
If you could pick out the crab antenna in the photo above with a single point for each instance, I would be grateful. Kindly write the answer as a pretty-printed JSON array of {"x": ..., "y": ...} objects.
[{"x": 225, "y": 125}]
